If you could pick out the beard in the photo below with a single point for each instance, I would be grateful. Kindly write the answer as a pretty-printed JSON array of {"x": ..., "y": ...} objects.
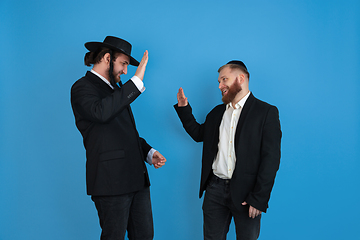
[
  {"x": 233, "y": 90},
  {"x": 116, "y": 77}
]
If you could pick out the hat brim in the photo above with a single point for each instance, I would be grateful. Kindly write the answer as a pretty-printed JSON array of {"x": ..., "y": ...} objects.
[{"x": 94, "y": 46}]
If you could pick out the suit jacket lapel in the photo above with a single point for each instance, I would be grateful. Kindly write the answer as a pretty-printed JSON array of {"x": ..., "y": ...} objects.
[
  {"x": 217, "y": 121},
  {"x": 98, "y": 82},
  {"x": 219, "y": 116},
  {"x": 243, "y": 115}
]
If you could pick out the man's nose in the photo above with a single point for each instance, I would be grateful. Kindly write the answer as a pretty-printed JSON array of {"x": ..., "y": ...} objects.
[
  {"x": 220, "y": 85},
  {"x": 125, "y": 70}
]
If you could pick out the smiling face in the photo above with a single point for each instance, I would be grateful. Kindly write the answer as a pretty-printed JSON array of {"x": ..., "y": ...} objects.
[
  {"x": 121, "y": 63},
  {"x": 229, "y": 84}
]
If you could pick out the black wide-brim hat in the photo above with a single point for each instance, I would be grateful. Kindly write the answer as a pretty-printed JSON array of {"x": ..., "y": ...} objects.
[{"x": 113, "y": 43}]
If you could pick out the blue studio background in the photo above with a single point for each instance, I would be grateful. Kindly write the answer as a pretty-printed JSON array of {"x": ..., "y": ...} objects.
[{"x": 303, "y": 57}]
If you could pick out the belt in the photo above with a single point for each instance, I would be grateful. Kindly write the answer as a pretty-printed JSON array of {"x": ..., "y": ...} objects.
[{"x": 220, "y": 180}]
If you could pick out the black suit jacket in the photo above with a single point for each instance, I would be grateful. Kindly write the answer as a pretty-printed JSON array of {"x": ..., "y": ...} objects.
[
  {"x": 115, "y": 153},
  {"x": 257, "y": 149}
]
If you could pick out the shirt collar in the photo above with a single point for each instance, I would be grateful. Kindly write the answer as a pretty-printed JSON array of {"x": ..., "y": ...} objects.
[
  {"x": 239, "y": 104},
  {"x": 102, "y": 78}
]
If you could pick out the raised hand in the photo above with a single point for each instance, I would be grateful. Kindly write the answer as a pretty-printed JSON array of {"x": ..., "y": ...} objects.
[
  {"x": 140, "y": 71},
  {"x": 182, "y": 100}
]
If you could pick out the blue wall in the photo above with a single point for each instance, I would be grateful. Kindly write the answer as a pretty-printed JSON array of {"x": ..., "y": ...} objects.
[{"x": 303, "y": 56}]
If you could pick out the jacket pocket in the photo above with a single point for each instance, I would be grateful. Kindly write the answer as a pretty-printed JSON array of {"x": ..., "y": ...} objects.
[{"x": 111, "y": 155}]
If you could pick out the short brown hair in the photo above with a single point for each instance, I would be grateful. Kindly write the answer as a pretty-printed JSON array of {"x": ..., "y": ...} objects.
[{"x": 235, "y": 66}]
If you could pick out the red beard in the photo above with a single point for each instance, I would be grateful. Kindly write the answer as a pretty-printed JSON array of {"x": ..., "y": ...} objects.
[{"x": 233, "y": 90}]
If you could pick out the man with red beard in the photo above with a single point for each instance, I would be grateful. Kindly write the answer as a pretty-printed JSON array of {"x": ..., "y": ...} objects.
[{"x": 241, "y": 155}]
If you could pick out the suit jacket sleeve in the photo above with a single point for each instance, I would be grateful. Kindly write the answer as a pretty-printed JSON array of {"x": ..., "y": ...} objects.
[
  {"x": 87, "y": 102},
  {"x": 191, "y": 126},
  {"x": 145, "y": 147},
  {"x": 270, "y": 160}
]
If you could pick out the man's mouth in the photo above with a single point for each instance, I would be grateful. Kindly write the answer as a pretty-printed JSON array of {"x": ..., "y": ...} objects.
[{"x": 224, "y": 91}]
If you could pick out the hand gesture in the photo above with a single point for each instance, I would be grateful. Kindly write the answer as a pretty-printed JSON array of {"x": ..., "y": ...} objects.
[
  {"x": 253, "y": 212},
  {"x": 182, "y": 100},
  {"x": 140, "y": 71},
  {"x": 158, "y": 160}
]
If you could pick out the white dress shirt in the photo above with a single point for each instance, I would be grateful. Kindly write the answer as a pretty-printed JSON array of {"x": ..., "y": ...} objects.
[
  {"x": 140, "y": 85},
  {"x": 225, "y": 160}
]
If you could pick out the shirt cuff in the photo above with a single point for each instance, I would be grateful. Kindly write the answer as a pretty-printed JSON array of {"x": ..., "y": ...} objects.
[
  {"x": 150, "y": 156},
  {"x": 138, "y": 83}
]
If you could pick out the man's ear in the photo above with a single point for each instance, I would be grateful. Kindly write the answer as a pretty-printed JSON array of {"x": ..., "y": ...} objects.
[
  {"x": 241, "y": 77},
  {"x": 106, "y": 58}
]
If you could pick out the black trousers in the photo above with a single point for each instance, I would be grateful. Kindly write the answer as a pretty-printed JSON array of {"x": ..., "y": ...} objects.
[
  {"x": 128, "y": 212},
  {"x": 218, "y": 210}
]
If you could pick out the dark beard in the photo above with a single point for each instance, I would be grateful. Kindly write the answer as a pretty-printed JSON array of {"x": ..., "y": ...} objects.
[
  {"x": 117, "y": 79},
  {"x": 234, "y": 89}
]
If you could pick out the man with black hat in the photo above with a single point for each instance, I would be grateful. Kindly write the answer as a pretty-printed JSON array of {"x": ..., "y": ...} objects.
[
  {"x": 116, "y": 176},
  {"x": 241, "y": 155}
]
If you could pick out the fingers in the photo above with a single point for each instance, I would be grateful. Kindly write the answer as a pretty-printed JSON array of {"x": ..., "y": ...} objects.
[
  {"x": 158, "y": 160},
  {"x": 253, "y": 212},
  {"x": 145, "y": 58},
  {"x": 182, "y": 100},
  {"x": 159, "y": 155},
  {"x": 180, "y": 93},
  {"x": 159, "y": 165},
  {"x": 140, "y": 71}
]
